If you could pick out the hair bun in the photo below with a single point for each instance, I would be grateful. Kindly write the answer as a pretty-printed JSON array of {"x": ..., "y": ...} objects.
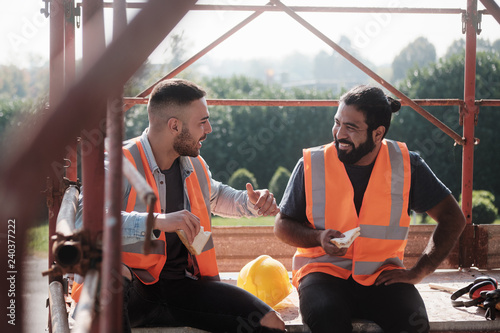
[{"x": 395, "y": 104}]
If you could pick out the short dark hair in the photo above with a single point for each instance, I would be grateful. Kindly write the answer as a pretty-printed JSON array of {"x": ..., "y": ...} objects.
[
  {"x": 173, "y": 92},
  {"x": 374, "y": 103}
]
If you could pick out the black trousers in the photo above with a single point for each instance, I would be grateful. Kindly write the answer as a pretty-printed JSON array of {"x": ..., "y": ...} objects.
[
  {"x": 209, "y": 305},
  {"x": 328, "y": 304}
]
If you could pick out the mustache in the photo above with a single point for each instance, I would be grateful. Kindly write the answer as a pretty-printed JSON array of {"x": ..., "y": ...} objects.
[
  {"x": 344, "y": 141},
  {"x": 203, "y": 137}
]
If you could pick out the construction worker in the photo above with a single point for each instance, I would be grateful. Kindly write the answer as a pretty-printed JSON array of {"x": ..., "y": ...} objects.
[
  {"x": 363, "y": 180},
  {"x": 170, "y": 286}
]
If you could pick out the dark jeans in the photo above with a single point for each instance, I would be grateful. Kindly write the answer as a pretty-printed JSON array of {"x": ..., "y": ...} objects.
[
  {"x": 208, "y": 305},
  {"x": 328, "y": 304}
]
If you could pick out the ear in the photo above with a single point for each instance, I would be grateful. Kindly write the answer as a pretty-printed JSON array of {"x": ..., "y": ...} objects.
[
  {"x": 378, "y": 134},
  {"x": 174, "y": 125}
]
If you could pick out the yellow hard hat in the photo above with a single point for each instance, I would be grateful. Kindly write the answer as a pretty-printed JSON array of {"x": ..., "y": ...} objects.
[{"x": 266, "y": 278}]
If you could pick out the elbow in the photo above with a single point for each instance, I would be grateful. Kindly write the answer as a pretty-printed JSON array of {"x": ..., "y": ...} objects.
[{"x": 278, "y": 226}]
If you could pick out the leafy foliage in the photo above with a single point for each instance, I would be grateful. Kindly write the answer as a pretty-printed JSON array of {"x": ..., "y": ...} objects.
[
  {"x": 444, "y": 79},
  {"x": 261, "y": 138},
  {"x": 278, "y": 183},
  {"x": 240, "y": 178},
  {"x": 483, "y": 207}
]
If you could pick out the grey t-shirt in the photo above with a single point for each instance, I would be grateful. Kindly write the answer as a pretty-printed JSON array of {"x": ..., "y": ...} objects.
[{"x": 426, "y": 190}]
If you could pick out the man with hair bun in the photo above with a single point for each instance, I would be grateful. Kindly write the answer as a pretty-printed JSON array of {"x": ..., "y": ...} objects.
[{"x": 363, "y": 180}]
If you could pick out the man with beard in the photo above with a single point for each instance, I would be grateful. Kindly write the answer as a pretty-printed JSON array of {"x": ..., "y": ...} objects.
[
  {"x": 363, "y": 180},
  {"x": 170, "y": 286}
]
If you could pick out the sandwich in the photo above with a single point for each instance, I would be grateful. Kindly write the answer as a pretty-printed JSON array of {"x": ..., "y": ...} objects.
[
  {"x": 196, "y": 247},
  {"x": 346, "y": 241}
]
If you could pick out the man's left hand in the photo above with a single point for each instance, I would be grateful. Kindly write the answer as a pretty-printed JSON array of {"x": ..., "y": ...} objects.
[
  {"x": 263, "y": 201},
  {"x": 398, "y": 276}
]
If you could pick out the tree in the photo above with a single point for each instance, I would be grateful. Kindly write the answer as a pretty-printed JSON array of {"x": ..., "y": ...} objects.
[
  {"x": 261, "y": 138},
  {"x": 482, "y": 45},
  {"x": 240, "y": 178},
  {"x": 483, "y": 207},
  {"x": 278, "y": 183},
  {"x": 418, "y": 53},
  {"x": 445, "y": 80}
]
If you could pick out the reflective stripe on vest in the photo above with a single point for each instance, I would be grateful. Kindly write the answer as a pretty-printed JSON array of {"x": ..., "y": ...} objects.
[
  {"x": 148, "y": 268},
  {"x": 383, "y": 217}
]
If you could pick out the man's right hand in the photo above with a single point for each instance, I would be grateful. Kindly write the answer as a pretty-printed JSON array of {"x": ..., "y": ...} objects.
[
  {"x": 329, "y": 247},
  {"x": 183, "y": 220}
]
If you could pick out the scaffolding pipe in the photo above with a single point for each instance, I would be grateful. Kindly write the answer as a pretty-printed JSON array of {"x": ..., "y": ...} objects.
[
  {"x": 111, "y": 296},
  {"x": 86, "y": 305},
  {"x": 314, "y": 9},
  {"x": 492, "y": 8},
  {"x": 458, "y": 139},
  {"x": 146, "y": 194},
  {"x": 470, "y": 108},
  {"x": 488, "y": 102},
  {"x": 67, "y": 252},
  {"x": 69, "y": 79},
  {"x": 65, "y": 225},
  {"x": 58, "y": 312},
  {"x": 311, "y": 102}
]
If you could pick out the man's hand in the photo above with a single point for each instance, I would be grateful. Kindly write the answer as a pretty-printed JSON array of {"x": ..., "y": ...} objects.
[
  {"x": 263, "y": 201},
  {"x": 183, "y": 220},
  {"x": 325, "y": 236},
  {"x": 398, "y": 276}
]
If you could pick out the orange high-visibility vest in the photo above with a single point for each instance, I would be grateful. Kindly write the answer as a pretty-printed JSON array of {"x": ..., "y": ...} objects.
[
  {"x": 383, "y": 217},
  {"x": 148, "y": 267}
]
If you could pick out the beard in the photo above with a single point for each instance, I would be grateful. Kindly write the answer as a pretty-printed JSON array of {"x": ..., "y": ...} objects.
[
  {"x": 356, "y": 153},
  {"x": 185, "y": 145}
]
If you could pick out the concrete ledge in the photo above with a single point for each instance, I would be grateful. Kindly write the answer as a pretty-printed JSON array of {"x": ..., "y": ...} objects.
[{"x": 442, "y": 316}]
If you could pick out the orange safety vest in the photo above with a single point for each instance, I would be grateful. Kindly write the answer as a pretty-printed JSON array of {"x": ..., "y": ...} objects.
[
  {"x": 383, "y": 217},
  {"x": 148, "y": 267}
]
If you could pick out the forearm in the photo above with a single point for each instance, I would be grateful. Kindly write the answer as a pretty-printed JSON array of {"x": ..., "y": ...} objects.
[
  {"x": 296, "y": 233},
  {"x": 228, "y": 202},
  {"x": 451, "y": 223}
]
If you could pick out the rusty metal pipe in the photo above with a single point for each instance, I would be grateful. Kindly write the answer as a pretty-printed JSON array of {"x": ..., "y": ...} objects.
[
  {"x": 145, "y": 193},
  {"x": 308, "y": 102},
  {"x": 492, "y": 8},
  {"x": 458, "y": 139},
  {"x": 316, "y": 9},
  {"x": 488, "y": 102},
  {"x": 111, "y": 298},
  {"x": 58, "y": 312},
  {"x": 86, "y": 305},
  {"x": 137, "y": 181}
]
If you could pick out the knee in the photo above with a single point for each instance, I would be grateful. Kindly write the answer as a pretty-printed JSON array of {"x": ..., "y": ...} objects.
[{"x": 273, "y": 320}]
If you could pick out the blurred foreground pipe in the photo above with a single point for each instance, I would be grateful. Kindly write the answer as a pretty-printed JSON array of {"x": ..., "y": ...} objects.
[
  {"x": 58, "y": 313},
  {"x": 86, "y": 305},
  {"x": 145, "y": 193}
]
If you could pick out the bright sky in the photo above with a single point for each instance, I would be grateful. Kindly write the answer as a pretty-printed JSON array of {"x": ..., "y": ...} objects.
[{"x": 378, "y": 37}]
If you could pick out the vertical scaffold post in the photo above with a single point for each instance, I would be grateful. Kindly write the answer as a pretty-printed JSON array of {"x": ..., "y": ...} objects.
[
  {"x": 92, "y": 143},
  {"x": 468, "y": 115},
  {"x": 112, "y": 283}
]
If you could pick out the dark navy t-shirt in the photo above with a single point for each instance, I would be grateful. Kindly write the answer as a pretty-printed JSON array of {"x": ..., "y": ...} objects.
[
  {"x": 177, "y": 253},
  {"x": 426, "y": 190}
]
